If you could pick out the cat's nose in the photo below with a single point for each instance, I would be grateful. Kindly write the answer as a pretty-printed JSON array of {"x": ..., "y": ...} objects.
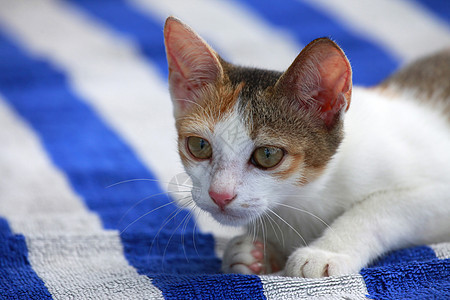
[{"x": 221, "y": 199}]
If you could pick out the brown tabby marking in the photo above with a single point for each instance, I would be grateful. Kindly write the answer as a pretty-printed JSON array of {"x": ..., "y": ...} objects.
[
  {"x": 428, "y": 77},
  {"x": 223, "y": 97}
]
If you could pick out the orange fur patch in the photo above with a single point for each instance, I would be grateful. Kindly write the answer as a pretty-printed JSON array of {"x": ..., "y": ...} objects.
[
  {"x": 216, "y": 102},
  {"x": 289, "y": 167}
]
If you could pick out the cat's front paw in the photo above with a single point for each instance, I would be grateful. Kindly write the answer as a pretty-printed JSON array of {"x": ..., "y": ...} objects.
[
  {"x": 247, "y": 256},
  {"x": 312, "y": 262}
]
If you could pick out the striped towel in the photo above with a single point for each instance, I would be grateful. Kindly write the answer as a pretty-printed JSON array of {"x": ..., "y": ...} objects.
[{"x": 88, "y": 150}]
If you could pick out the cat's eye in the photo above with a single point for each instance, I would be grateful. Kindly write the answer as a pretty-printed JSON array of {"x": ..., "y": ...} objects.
[
  {"x": 199, "y": 147},
  {"x": 267, "y": 157}
]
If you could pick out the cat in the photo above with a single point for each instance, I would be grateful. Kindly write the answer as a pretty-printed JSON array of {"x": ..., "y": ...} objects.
[{"x": 327, "y": 177}]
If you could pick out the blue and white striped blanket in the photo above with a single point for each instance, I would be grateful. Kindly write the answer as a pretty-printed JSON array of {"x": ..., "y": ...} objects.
[{"x": 88, "y": 144}]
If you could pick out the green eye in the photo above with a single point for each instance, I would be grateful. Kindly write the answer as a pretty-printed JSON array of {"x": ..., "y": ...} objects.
[
  {"x": 199, "y": 147},
  {"x": 267, "y": 157}
]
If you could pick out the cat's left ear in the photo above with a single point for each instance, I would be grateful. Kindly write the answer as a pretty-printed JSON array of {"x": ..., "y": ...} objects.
[
  {"x": 193, "y": 64},
  {"x": 319, "y": 80}
]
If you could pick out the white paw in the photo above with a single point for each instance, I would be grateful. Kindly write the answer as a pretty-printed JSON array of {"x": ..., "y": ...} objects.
[
  {"x": 246, "y": 256},
  {"x": 311, "y": 262}
]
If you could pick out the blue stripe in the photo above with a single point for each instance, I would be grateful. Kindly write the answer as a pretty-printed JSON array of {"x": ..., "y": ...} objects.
[
  {"x": 4, "y": 226},
  {"x": 440, "y": 8},
  {"x": 230, "y": 287},
  {"x": 370, "y": 63},
  {"x": 146, "y": 33},
  {"x": 413, "y": 273},
  {"x": 93, "y": 157},
  {"x": 403, "y": 256},
  {"x": 17, "y": 278}
]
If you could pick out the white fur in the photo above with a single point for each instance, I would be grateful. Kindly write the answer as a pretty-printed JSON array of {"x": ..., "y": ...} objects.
[
  {"x": 387, "y": 187},
  {"x": 229, "y": 171}
]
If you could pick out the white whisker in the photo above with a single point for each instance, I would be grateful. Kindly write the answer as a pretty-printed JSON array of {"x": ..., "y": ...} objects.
[
  {"x": 263, "y": 227},
  {"x": 151, "y": 180},
  {"x": 146, "y": 214},
  {"x": 146, "y": 198},
  {"x": 271, "y": 221},
  {"x": 289, "y": 225},
  {"x": 182, "y": 241},
  {"x": 193, "y": 231},
  {"x": 170, "y": 217},
  {"x": 306, "y": 212}
]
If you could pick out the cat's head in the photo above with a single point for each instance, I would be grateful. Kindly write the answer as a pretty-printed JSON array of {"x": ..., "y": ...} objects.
[{"x": 249, "y": 137}]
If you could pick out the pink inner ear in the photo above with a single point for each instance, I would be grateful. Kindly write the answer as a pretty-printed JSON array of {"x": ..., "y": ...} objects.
[
  {"x": 192, "y": 63},
  {"x": 181, "y": 92},
  {"x": 319, "y": 79},
  {"x": 335, "y": 86}
]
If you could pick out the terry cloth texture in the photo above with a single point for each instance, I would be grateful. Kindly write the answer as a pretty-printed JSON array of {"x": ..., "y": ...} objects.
[{"x": 88, "y": 157}]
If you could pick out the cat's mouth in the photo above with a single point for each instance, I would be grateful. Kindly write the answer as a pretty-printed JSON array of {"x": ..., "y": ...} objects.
[
  {"x": 226, "y": 218},
  {"x": 232, "y": 217}
]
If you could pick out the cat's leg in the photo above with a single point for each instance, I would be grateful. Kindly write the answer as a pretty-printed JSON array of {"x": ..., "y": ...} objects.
[
  {"x": 382, "y": 222},
  {"x": 246, "y": 255}
]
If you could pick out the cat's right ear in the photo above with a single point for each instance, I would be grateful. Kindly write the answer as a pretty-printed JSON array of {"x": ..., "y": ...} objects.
[
  {"x": 193, "y": 64},
  {"x": 319, "y": 81}
]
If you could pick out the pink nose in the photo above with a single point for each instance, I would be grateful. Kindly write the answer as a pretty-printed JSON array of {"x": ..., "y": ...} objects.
[{"x": 221, "y": 199}]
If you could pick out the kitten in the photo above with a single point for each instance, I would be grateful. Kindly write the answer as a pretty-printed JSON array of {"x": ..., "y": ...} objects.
[{"x": 323, "y": 186}]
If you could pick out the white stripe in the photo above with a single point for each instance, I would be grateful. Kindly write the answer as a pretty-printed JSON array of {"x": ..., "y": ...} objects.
[
  {"x": 88, "y": 266},
  {"x": 238, "y": 33},
  {"x": 67, "y": 247},
  {"x": 442, "y": 250},
  {"x": 108, "y": 72},
  {"x": 32, "y": 190},
  {"x": 401, "y": 27},
  {"x": 289, "y": 288}
]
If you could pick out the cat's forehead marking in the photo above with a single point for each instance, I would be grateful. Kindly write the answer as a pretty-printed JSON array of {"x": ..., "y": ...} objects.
[
  {"x": 232, "y": 136},
  {"x": 217, "y": 102}
]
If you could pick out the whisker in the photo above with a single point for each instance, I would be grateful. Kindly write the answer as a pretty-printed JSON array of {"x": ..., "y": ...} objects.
[
  {"x": 151, "y": 180},
  {"x": 149, "y": 212},
  {"x": 294, "y": 195},
  {"x": 253, "y": 229},
  {"x": 306, "y": 212},
  {"x": 263, "y": 227},
  {"x": 146, "y": 198},
  {"x": 271, "y": 221},
  {"x": 171, "y": 236},
  {"x": 180, "y": 209},
  {"x": 193, "y": 231},
  {"x": 170, "y": 217},
  {"x": 289, "y": 225},
  {"x": 184, "y": 228},
  {"x": 146, "y": 214}
]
